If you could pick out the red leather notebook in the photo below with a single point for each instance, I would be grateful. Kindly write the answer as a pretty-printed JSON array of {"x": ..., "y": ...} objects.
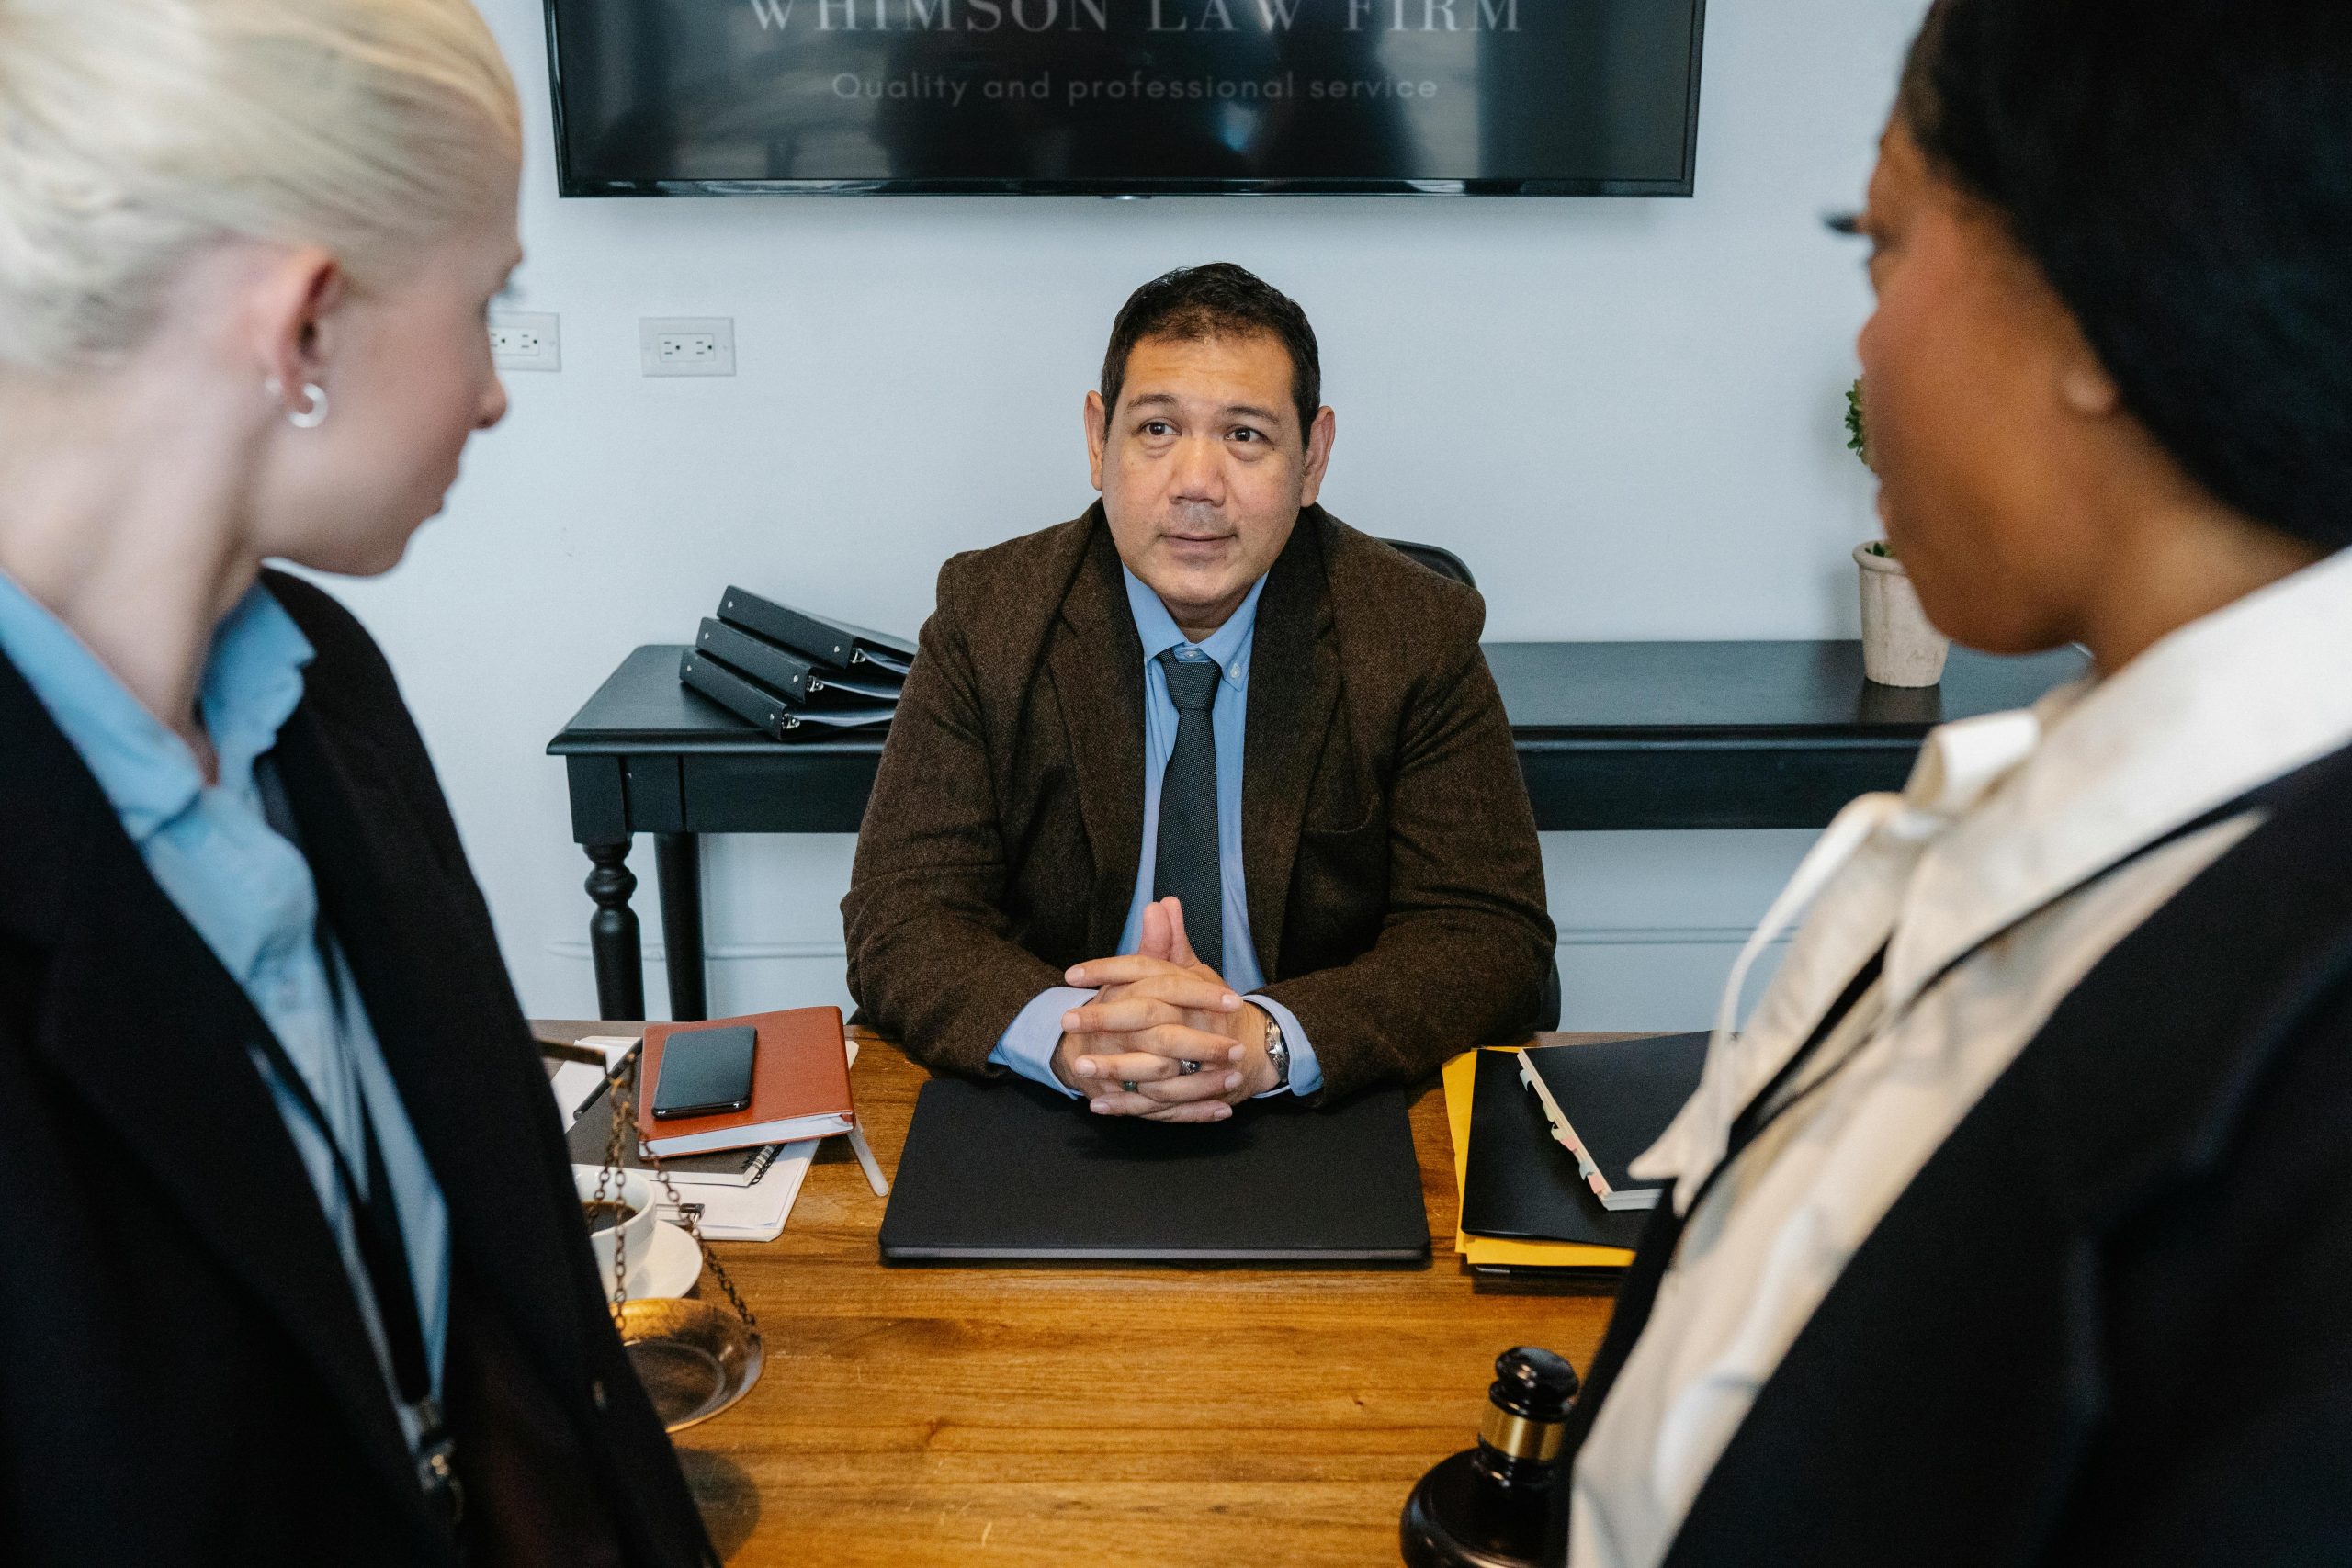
[{"x": 799, "y": 1086}]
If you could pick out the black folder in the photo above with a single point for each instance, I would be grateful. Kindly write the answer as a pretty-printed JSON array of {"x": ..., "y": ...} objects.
[
  {"x": 782, "y": 720},
  {"x": 804, "y": 680},
  {"x": 1010, "y": 1171},
  {"x": 1619, "y": 1097},
  {"x": 837, "y": 643},
  {"x": 1521, "y": 1184}
]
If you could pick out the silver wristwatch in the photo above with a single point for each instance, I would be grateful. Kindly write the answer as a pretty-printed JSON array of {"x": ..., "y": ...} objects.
[{"x": 1277, "y": 1048}]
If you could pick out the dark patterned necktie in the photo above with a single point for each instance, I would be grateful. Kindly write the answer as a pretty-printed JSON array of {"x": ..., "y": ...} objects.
[{"x": 1186, "y": 864}]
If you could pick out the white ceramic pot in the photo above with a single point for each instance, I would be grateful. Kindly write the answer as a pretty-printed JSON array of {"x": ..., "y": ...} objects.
[{"x": 1900, "y": 647}]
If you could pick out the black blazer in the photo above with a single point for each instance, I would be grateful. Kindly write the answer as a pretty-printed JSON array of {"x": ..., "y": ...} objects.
[
  {"x": 2111, "y": 1321},
  {"x": 183, "y": 1374}
]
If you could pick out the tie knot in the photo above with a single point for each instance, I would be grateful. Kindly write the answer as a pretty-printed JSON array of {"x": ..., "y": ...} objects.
[{"x": 1192, "y": 682}]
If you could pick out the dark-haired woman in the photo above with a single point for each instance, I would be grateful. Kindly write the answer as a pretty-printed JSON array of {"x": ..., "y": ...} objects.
[{"x": 2015, "y": 1227}]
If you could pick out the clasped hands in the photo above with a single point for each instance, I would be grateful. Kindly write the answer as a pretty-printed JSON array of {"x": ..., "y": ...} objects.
[{"x": 1160, "y": 1009}]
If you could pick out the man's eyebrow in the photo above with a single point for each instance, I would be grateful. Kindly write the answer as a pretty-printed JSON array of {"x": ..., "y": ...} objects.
[{"x": 1232, "y": 410}]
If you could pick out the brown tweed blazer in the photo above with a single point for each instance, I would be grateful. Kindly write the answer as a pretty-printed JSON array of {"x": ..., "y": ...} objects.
[{"x": 1396, "y": 890}]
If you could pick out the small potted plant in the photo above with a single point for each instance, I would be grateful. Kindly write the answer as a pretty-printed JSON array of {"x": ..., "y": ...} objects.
[{"x": 1900, "y": 646}]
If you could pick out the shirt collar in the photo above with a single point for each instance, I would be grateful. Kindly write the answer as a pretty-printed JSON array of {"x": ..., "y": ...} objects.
[
  {"x": 252, "y": 684},
  {"x": 1229, "y": 645},
  {"x": 2006, "y": 811},
  {"x": 2251, "y": 691}
]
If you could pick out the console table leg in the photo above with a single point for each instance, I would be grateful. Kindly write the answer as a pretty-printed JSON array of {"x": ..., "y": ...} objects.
[
  {"x": 612, "y": 933},
  {"x": 677, "y": 859}
]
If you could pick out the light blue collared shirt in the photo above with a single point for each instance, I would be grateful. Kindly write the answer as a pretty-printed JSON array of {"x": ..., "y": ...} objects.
[
  {"x": 250, "y": 894},
  {"x": 1027, "y": 1047}
]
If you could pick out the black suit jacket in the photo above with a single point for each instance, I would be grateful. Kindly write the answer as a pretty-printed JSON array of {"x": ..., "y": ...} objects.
[
  {"x": 183, "y": 1374},
  {"x": 2110, "y": 1320}
]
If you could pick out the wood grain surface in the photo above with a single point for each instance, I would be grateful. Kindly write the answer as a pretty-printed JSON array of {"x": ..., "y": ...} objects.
[{"x": 1126, "y": 1416}]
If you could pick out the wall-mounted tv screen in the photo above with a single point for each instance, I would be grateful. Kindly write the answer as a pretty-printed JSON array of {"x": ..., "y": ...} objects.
[{"x": 1519, "y": 97}]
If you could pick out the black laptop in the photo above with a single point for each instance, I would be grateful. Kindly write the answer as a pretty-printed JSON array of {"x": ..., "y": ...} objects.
[{"x": 1010, "y": 1171}]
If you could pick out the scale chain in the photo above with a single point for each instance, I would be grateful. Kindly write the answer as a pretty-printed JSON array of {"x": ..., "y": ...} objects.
[
  {"x": 623, "y": 1091},
  {"x": 624, "y": 1096}
]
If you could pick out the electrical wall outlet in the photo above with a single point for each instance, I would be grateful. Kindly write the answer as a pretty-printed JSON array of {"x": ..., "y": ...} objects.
[
  {"x": 687, "y": 345},
  {"x": 521, "y": 340}
]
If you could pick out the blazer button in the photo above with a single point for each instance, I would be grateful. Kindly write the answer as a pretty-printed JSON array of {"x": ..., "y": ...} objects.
[{"x": 596, "y": 1392}]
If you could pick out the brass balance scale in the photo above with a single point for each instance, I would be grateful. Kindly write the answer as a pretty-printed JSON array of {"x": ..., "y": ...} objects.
[{"x": 694, "y": 1359}]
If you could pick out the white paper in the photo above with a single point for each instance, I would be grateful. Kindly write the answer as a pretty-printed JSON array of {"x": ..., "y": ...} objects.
[
  {"x": 752, "y": 1212},
  {"x": 756, "y": 1212}
]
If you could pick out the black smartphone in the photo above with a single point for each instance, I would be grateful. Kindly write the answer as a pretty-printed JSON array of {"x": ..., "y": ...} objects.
[{"x": 705, "y": 1072}]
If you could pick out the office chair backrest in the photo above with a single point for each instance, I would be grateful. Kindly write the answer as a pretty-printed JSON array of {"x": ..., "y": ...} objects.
[{"x": 1445, "y": 563}]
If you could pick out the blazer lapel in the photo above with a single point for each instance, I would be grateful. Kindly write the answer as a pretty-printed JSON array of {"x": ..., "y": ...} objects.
[
  {"x": 1295, "y": 690},
  {"x": 154, "y": 1036},
  {"x": 1096, "y": 665},
  {"x": 442, "y": 1010},
  {"x": 2274, "y": 918},
  {"x": 1989, "y": 1259}
]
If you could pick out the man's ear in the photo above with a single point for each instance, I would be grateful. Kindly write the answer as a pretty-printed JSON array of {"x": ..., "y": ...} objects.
[
  {"x": 1098, "y": 434},
  {"x": 293, "y": 306},
  {"x": 1319, "y": 437}
]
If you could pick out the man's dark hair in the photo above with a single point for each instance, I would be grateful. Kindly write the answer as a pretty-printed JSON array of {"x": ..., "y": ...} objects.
[
  {"x": 2181, "y": 171},
  {"x": 1218, "y": 301}
]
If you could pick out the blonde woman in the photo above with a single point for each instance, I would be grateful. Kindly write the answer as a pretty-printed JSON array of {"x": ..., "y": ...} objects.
[{"x": 293, "y": 1270}]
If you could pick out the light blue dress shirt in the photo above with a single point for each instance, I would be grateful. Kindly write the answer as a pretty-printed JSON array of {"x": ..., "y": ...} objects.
[
  {"x": 250, "y": 894},
  {"x": 1027, "y": 1047}
]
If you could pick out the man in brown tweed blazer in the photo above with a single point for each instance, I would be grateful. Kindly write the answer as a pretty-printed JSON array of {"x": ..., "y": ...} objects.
[{"x": 1203, "y": 795}]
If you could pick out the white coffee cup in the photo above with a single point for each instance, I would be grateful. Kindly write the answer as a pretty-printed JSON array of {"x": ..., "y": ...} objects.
[{"x": 635, "y": 1232}]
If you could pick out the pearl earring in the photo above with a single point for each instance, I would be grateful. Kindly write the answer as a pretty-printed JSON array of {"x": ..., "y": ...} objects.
[{"x": 309, "y": 417}]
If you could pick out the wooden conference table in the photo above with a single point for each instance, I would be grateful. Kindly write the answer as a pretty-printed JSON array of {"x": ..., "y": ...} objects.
[{"x": 1082, "y": 1416}]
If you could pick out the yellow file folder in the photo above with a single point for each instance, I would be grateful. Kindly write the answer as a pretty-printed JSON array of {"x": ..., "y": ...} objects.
[{"x": 1461, "y": 1074}]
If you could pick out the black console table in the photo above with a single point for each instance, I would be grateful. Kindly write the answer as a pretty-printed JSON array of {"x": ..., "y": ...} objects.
[{"x": 1612, "y": 735}]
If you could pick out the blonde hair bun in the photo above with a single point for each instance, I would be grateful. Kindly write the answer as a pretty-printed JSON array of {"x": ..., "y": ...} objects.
[{"x": 135, "y": 132}]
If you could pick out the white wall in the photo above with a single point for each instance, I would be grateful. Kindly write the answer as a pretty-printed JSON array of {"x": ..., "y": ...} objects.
[{"x": 1625, "y": 414}]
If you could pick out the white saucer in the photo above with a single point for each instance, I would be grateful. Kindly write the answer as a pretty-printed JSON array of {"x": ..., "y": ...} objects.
[{"x": 671, "y": 1270}]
